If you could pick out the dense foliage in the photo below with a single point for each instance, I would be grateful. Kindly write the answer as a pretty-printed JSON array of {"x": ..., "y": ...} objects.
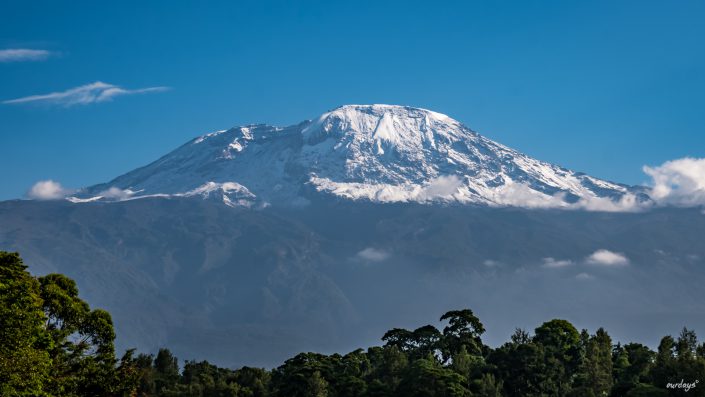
[{"x": 53, "y": 344}]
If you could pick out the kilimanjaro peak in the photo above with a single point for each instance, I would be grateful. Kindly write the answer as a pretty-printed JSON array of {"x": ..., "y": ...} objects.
[{"x": 376, "y": 153}]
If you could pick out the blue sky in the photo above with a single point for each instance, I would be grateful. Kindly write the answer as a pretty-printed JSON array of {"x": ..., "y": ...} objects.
[{"x": 600, "y": 87}]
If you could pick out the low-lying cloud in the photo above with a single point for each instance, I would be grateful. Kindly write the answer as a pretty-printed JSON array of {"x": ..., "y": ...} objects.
[
  {"x": 603, "y": 257},
  {"x": 48, "y": 190},
  {"x": 522, "y": 195},
  {"x": 436, "y": 189},
  {"x": 584, "y": 276},
  {"x": 86, "y": 94},
  {"x": 117, "y": 194},
  {"x": 23, "y": 55},
  {"x": 553, "y": 263},
  {"x": 370, "y": 254},
  {"x": 627, "y": 203},
  {"x": 443, "y": 186},
  {"x": 678, "y": 182}
]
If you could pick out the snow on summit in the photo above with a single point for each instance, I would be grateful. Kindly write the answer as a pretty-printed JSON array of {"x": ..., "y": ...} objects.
[{"x": 377, "y": 153}]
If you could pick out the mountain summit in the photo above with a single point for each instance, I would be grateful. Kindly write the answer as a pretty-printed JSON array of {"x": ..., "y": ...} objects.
[{"x": 377, "y": 153}]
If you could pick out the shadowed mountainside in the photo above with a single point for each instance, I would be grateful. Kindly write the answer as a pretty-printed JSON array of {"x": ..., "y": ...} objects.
[{"x": 255, "y": 286}]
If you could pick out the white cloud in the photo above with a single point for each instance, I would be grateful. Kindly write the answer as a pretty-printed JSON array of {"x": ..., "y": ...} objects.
[
  {"x": 521, "y": 195},
  {"x": 491, "y": 263},
  {"x": 584, "y": 276},
  {"x": 443, "y": 186},
  {"x": 627, "y": 203},
  {"x": 605, "y": 257},
  {"x": 23, "y": 54},
  {"x": 678, "y": 182},
  {"x": 83, "y": 95},
  {"x": 48, "y": 190},
  {"x": 553, "y": 263},
  {"x": 440, "y": 188},
  {"x": 116, "y": 193},
  {"x": 372, "y": 255}
]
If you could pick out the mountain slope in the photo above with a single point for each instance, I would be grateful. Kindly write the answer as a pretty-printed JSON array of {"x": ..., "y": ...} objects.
[
  {"x": 243, "y": 287},
  {"x": 378, "y": 153}
]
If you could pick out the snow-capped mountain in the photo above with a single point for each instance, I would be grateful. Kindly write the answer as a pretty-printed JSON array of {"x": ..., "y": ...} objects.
[
  {"x": 252, "y": 287},
  {"x": 378, "y": 153}
]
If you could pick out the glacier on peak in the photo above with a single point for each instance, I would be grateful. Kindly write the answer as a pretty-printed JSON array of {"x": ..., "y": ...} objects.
[{"x": 377, "y": 153}]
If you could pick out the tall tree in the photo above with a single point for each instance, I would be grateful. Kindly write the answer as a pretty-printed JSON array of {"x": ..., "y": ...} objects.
[
  {"x": 83, "y": 353},
  {"x": 599, "y": 355},
  {"x": 561, "y": 342},
  {"x": 24, "y": 360},
  {"x": 49, "y": 333},
  {"x": 463, "y": 329},
  {"x": 166, "y": 370}
]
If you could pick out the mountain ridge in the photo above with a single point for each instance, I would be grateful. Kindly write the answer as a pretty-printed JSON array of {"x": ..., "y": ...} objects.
[{"x": 377, "y": 153}]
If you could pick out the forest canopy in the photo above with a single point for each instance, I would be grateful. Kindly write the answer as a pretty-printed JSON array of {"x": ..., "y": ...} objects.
[{"x": 52, "y": 343}]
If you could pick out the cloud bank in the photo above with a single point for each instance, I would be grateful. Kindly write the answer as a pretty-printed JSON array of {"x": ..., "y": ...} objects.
[
  {"x": 86, "y": 94},
  {"x": 23, "y": 55},
  {"x": 603, "y": 257},
  {"x": 440, "y": 188},
  {"x": 678, "y": 182},
  {"x": 48, "y": 190}
]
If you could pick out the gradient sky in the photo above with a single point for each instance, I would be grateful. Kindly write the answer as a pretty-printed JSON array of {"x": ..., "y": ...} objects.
[{"x": 603, "y": 87}]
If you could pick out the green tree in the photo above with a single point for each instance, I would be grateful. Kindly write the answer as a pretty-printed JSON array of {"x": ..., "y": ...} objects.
[
  {"x": 664, "y": 370},
  {"x": 292, "y": 379},
  {"x": 645, "y": 390},
  {"x": 599, "y": 358},
  {"x": 351, "y": 372},
  {"x": 561, "y": 342},
  {"x": 632, "y": 364},
  {"x": 463, "y": 329},
  {"x": 51, "y": 342},
  {"x": 82, "y": 352},
  {"x": 255, "y": 382},
  {"x": 417, "y": 343},
  {"x": 488, "y": 386},
  {"x": 24, "y": 360},
  {"x": 522, "y": 369},
  {"x": 388, "y": 364},
  {"x": 426, "y": 340},
  {"x": 400, "y": 338},
  {"x": 317, "y": 386},
  {"x": 166, "y": 370},
  {"x": 426, "y": 377}
]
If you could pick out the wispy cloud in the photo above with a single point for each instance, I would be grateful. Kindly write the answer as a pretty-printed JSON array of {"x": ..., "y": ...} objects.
[
  {"x": 23, "y": 55},
  {"x": 85, "y": 94},
  {"x": 605, "y": 257},
  {"x": 372, "y": 255},
  {"x": 48, "y": 190},
  {"x": 554, "y": 263},
  {"x": 584, "y": 276}
]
